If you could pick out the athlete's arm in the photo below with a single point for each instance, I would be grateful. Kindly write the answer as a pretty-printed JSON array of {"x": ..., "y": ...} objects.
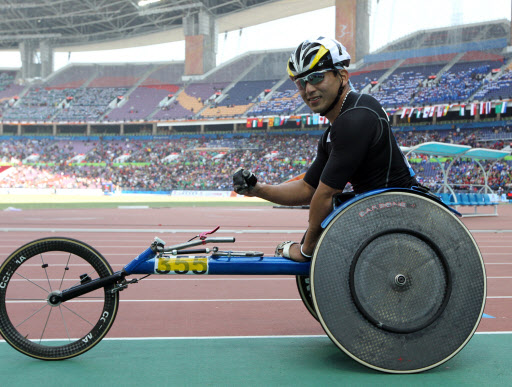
[
  {"x": 321, "y": 207},
  {"x": 293, "y": 193}
]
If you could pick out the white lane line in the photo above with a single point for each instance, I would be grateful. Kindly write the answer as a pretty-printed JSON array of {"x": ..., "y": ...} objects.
[
  {"x": 491, "y": 231},
  {"x": 158, "y": 231},
  {"x": 208, "y": 300},
  {"x": 498, "y": 263},
  {"x": 179, "y": 231},
  {"x": 203, "y": 300},
  {"x": 169, "y": 278}
]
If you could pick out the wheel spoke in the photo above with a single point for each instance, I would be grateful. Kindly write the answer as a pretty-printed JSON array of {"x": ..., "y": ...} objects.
[
  {"x": 66, "y": 268},
  {"x": 32, "y": 282},
  {"x": 45, "y": 325},
  {"x": 33, "y": 314},
  {"x": 64, "y": 322},
  {"x": 46, "y": 272},
  {"x": 76, "y": 314}
]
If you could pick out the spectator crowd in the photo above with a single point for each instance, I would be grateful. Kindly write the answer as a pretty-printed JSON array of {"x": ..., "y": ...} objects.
[{"x": 207, "y": 163}]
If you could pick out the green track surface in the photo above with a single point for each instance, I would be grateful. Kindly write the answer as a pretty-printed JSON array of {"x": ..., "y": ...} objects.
[{"x": 287, "y": 361}]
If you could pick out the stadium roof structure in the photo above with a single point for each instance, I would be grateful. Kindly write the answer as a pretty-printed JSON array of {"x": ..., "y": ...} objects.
[
  {"x": 75, "y": 23},
  {"x": 455, "y": 35}
]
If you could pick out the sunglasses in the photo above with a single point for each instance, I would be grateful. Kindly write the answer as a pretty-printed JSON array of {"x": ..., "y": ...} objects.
[{"x": 313, "y": 78}]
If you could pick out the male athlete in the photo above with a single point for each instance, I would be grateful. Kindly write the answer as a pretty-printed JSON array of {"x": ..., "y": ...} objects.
[{"x": 358, "y": 147}]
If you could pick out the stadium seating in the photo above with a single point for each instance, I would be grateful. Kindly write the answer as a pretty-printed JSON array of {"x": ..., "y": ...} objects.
[
  {"x": 401, "y": 86},
  {"x": 245, "y": 86},
  {"x": 71, "y": 77}
]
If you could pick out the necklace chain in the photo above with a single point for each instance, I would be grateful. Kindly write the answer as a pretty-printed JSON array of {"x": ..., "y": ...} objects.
[{"x": 344, "y": 99}]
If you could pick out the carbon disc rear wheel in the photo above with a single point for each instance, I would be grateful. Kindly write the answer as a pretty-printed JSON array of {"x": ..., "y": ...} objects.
[
  {"x": 304, "y": 288},
  {"x": 398, "y": 282},
  {"x": 36, "y": 327}
]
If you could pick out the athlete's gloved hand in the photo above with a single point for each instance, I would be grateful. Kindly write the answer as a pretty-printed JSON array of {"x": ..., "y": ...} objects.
[{"x": 243, "y": 181}]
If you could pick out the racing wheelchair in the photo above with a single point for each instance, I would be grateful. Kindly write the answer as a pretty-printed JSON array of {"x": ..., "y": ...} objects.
[{"x": 396, "y": 281}]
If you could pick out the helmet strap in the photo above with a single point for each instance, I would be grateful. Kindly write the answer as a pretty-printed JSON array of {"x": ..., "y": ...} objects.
[{"x": 336, "y": 100}]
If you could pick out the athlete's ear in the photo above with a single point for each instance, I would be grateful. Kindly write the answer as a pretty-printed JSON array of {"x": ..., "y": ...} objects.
[{"x": 343, "y": 74}]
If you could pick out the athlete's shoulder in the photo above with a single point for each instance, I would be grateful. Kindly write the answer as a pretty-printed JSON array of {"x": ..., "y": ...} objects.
[{"x": 369, "y": 102}]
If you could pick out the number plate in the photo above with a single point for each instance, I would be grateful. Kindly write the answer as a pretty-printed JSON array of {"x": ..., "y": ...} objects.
[{"x": 181, "y": 265}]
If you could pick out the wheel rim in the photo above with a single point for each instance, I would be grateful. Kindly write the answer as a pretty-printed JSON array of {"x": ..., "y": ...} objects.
[{"x": 35, "y": 325}]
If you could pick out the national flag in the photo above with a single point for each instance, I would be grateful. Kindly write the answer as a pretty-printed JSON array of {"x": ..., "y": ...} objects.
[
  {"x": 440, "y": 111},
  {"x": 462, "y": 110},
  {"x": 482, "y": 108},
  {"x": 249, "y": 123},
  {"x": 404, "y": 112},
  {"x": 473, "y": 108},
  {"x": 254, "y": 123},
  {"x": 316, "y": 119},
  {"x": 260, "y": 122},
  {"x": 271, "y": 121},
  {"x": 418, "y": 113},
  {"x": 277, "y": 121},
  {"x": 321, "y": 120},
  {"x": 432, "y": 111},
  {"x": 426, "y": 111},
  {"x": 410, "y": 113},
  {"x": 308, "y": 121},
  {"x": 445, "y": 110},
  {"x": 487, "y": 108},
  {"x": 500, "y": 108}
]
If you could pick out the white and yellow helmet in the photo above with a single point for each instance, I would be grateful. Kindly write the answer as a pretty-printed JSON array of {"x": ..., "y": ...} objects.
[{"x": 317, "y": 54}]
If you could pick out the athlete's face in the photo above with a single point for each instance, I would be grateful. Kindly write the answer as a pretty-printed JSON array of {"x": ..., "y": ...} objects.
[{"x": 320, "y": 96}]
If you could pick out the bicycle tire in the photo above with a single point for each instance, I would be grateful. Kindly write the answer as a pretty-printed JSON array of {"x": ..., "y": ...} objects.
[{"x": 20, "y": 315}]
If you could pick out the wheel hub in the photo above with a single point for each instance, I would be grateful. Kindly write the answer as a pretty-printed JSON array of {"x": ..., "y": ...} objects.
[{"x": 54, "y": 298}]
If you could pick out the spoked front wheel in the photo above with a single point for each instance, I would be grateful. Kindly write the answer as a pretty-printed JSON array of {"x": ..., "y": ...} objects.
[{"x": 40, "y": 329}]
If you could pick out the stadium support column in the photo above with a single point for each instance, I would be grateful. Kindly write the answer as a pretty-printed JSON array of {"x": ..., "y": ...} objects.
[
  {"x": 200, "y": 42},
  {"x": 1, "y": 128},
  {"x": 353, "y": 27},
  {"x": 46, "y": 51},
  {"x": 28, "y": 65}
]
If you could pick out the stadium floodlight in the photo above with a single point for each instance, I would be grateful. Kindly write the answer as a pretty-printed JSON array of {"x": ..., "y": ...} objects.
[{"x": 143, "y": 3}]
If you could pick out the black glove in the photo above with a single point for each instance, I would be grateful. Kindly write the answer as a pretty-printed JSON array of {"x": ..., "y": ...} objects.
[{"x": 243, "y": 181}]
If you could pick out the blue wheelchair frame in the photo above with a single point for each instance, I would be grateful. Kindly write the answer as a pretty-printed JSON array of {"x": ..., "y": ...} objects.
[{"x": 176, "y": 261}]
